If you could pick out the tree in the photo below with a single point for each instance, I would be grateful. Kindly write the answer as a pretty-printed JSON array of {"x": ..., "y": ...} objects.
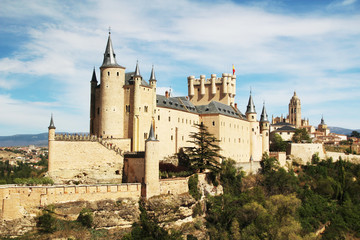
[
  {"x": 355, "y": 134},
  {"x": 205, "y": 152},
  {"x": 301, "y": 135},
  {"x": 277, "y": 144}
]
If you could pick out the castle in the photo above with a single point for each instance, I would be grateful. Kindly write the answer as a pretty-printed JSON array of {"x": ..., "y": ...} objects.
[{"x": 124, "y": 106}]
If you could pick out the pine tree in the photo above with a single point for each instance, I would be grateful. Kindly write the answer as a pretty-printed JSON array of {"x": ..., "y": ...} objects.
[{"x": 205, "y": 153}]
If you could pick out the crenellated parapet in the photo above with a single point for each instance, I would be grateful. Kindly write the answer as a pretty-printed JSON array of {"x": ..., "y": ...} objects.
[
  {"x": 204, "y": 90},
  {"x": 75, "y": 137}
]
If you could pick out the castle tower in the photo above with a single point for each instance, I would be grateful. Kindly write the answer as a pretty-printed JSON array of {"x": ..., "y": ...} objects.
[
  {"x": 254, "y": 125},
  {"x": 152, "y": 82},
  {"x": 202, "y": 91},
  {"x": 264, "y": 128},
  {"x": 295, "y": 111},
  {"x": 111, "y": 124},
  {"x": 51, "y": 139},
  {"x": 136, "y": 118},
  {"x": 94, "y": 84},
  {"x": 152, "y": 182}
]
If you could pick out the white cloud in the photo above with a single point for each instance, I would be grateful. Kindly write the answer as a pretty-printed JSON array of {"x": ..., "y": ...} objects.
[{"x": 314, "y": 53}]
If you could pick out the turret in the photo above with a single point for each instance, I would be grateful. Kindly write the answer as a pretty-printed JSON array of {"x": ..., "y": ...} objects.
[
  {"x": 250, "y": 110},
  {"x": 224, "y": 83},
  {"x": 152, "y": 182},
  {"x": 213, "y": 84},
  {"x": 137, "y": 103},
  {"x": 111, "y": 110},
  {"x": 51, "y": 139},
  {"x": 264, "y": 128},
  {"x": 152, "y": 82},
  {"x": 191, "y": 90},
  {"x": 93, "y": 83},
  {"x": 202, "y": 85}
]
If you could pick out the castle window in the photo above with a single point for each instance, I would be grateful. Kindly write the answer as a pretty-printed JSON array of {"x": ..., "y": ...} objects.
[
  {"x": 182, "y": 138},
  {"x": 98, "y": 110},
  {"x": 145, "y": 136},
  {"x": 169, "y": 119},
  {"x": 127, "y": 108},
  {"x": 171, "y": 137},
  {"x": 178, "y": 120},
  {"x": 108, "y": 73},
  {"x": 159, "y": 117},
  {"x": 186, "y": 121},
  {"x": 146, "y": 109},
  {"x": 213, "y": 123},
  {"x": 156, "y": 136},
  {"x": 253, "y": 129},
  {"x": 117, "y": 73},
  {"x": 267, "y": 134},
  {"x": 252, "y": 117}
]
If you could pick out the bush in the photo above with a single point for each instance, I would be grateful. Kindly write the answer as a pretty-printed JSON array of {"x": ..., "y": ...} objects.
[
  {"x": 86, "y": 218},
  {"x": 46, "y": 223},
  {"x": 193, "y": 187}
]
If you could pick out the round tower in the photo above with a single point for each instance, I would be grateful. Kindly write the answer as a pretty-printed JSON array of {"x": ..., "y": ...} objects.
[
  {"x": 51, "y": 139},
  {"x": 191, "y": 90},
  {"x": 254, "y": 126},
  {"x": 152, "y": 182},
  {"x": 93, "y": 83},
  {"x": 152, "y": 82},
  {"x": 111, "y": 110},
  {"x": 137, "y": 103},
  {"x": 264, "y": 128}
]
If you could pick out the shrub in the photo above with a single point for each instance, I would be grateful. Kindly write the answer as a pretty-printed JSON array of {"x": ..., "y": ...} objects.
[
  {"x": 193, "y": 187},
  {"x": 86, "y": 218},
  {"x": 46, "y": 223}
]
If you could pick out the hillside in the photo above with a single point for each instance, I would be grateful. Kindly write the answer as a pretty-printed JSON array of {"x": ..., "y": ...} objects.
[
  {"x": 340, "y": 130},
  {"x": 24, "y": 140}
]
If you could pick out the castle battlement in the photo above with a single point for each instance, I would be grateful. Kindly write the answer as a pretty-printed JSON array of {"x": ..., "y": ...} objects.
[{"x": 75, "y": 137}]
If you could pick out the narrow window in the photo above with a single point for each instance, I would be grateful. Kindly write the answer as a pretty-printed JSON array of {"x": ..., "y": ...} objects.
[
  {"x": 146, "y": 109},
  {"x": 213, "y": 123},
  {"x": 127, "y": 107},
  {"x": 108, "y": 73},
  {"x": 169, "y": 119},
  {"x": 172, "y": 137},
  {"x": 145, "y": 135},
  {"x": 159, "y": 117},
  {"x": 117, "y": 73}
]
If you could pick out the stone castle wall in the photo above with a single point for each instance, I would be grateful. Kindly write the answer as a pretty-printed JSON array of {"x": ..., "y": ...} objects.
[
  {"x": 306, "y": 150},
  {"x": 87, "y": 161},
  {"x": 174, "y": 186},
  {"x": 17, "y": 201}
]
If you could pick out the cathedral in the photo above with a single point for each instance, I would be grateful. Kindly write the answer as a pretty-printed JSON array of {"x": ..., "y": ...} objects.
[{"x": 124, "y": 106}]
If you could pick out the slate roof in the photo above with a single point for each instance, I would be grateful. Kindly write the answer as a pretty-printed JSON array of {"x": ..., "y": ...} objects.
[
  {"x": 285, "y": 128},
  {"x": 182, "y": 103},
  {"x": 128, "y": 79},
  {"x": 178, "y": 103},
  {"x": 281, "y": 124}
]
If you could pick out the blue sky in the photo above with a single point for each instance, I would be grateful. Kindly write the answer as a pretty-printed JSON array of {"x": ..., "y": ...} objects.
[{"x": 49, "y": 48}]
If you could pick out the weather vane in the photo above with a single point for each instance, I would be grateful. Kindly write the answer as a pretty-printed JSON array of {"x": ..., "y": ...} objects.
[{"x": 109, "y": 30}]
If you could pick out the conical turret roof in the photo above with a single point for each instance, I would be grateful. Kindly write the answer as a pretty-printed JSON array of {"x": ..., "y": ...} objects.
[
  {"x": 93, "y": 79},
  {"x": 250, "y": 107},
  {"x": 52, "y": 126},
  {"x": 137, "y": 70},
  {"x": 151, "y": 134},
  {"x": 152, "y": 75},
  {"x": 109, "y": 55},
  {"x": 264, "y": 116},
  {"x": 322, "y": 120}
]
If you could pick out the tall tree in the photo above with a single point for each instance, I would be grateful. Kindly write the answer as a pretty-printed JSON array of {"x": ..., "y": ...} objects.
[
  {"x": 205, "y": 152},
  {"x": 301, "y": 135}
]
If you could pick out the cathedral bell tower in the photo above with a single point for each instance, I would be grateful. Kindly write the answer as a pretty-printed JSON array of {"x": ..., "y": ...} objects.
[{"x": 295, "y": 111}]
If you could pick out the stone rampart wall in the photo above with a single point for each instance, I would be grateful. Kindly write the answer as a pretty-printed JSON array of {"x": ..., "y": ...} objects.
[
  {"x": 174, "y": 186},
  {"x": 349, "y": 157},
  {"x": 16, "y": 201},
  {"x": 304, "y": 151},
  {"x": 85, "y": 161}
]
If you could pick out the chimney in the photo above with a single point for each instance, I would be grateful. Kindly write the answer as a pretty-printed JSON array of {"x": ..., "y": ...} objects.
[{"x": 166, "y": 94}]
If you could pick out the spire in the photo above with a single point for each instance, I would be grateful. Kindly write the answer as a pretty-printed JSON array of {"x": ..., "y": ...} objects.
[
  {"x": 322, "y": 120},
  {"x": 137, "y": 70},
  {"x": 152, "y": 76},
  {"x": 93, "y": 79},
  {"x": 250, "y": 107},
  {"x": 109, "y": 55},
  {"x": 151, "y": 134},
  {"x": 264, "y": 116},
  {"x": 52, "y": 126}
]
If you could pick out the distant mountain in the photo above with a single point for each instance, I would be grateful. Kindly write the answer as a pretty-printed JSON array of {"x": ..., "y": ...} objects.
[
  {"x": 340, "y": 130},
  {"x": 18, "y": 140},
  {"x": 24, "y": 140}
]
